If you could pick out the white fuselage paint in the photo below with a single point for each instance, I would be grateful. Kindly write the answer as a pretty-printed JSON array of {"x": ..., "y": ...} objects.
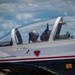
[{"x": 54, "y": 49}]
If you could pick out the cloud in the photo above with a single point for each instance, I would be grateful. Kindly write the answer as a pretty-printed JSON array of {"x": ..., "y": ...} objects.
[
  {"x": 32, "y": 5},
  {"x": 1, "y": 19},
  {"x": 8, "y": 25},
  {"x": 7, "y": 7},
  {"x": 21, "y": 12},
  {"x": 65, "y": 13},
  {"x": 21, "y": 6},
  {"x": 23, "y": 16},
  {"x": 8, "y": 1}
]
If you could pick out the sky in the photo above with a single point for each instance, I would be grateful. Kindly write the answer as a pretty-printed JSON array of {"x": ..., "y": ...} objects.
[{"x": 14, "y": 13}]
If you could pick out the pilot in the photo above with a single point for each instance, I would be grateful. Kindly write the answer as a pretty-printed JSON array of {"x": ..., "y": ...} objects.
[
  {"x": 45, "y": 35},
  {"x": 33, "y": 36}
]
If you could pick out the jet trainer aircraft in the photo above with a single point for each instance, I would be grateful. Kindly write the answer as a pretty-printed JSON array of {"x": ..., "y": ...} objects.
[{"x": 39, "y": 44}]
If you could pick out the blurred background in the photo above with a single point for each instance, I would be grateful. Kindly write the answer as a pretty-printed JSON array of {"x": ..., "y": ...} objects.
[{"x": 14, "y": 13}]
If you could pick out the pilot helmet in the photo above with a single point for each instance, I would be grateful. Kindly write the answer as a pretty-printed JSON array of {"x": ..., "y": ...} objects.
[{"x": 33, "y": 36}]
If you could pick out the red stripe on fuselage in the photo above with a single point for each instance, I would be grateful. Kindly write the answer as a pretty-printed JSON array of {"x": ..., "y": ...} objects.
[{"x": 38, "y": 58}]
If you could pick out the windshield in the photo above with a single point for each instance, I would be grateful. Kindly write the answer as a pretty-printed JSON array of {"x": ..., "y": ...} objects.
[
  {"x": 5, "y": 40},
  {"x": 5, "y": 37}
]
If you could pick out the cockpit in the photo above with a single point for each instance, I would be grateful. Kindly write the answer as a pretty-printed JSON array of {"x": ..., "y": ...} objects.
[{"x": 44, "y": 31}]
